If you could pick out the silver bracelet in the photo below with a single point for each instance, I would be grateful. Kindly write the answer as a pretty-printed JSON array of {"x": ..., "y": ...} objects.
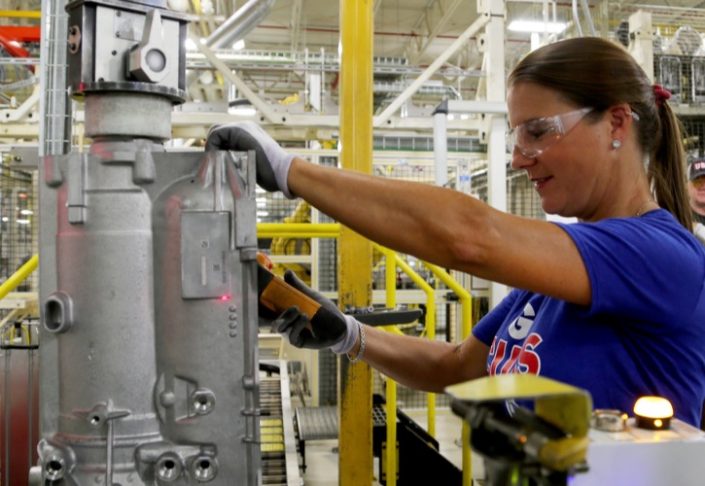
[{"x": 361, "y": 351}]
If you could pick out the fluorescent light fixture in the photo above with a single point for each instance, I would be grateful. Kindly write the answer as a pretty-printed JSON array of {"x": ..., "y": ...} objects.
[
  {"x": 190, "y": 45},
  {"x": 239, "y": 45},
  {"x": 22, "y": 221},
  {"x": 242, "y": 111},
  {"x": 537, "y": 26},
  {"x": 26, "y": 212},
  {"x": 262, "y": 213},
  {"x": 5, "y": 219}
]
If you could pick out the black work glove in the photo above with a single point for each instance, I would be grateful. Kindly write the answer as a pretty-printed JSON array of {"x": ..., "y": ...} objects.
[
  {"x": 328, "y": 328},
  {"x": 273, "y": 162}
]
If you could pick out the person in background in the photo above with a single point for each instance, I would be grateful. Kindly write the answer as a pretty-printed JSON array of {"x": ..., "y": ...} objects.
[
  {"x": 696, "y": 192},
  {"x": 614, "y": 303}
]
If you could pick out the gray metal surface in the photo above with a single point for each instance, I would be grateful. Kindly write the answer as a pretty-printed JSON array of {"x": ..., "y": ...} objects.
[
  {"x": 150, "y": 115},
  {"x": 208, "y": 390},
  {"x": 100, "y": 317}
]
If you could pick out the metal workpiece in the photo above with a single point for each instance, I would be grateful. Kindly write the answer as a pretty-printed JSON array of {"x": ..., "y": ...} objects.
[
  {"x": 126, "y": 46},
  {"x": 107, "y": 115},
  {"x": 206, "y": 313},
  {"x": 150, "y": 315},
  {"x": 101, "y": 317},
  {"x": 148, "y": 284}
]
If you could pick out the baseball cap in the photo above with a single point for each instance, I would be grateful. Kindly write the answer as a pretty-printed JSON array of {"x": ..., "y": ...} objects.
[{"x": 696, "y": 168}]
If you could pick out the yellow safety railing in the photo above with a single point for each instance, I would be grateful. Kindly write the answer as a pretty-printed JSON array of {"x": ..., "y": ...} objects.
[
  {"x": 298, "y": 230},
  {"x": 465, "y": 300},
  {"x": 391, "y": 386},
  {"x": 21, "y": 14},
  {"x": 19, "y": 276},
  {"x": 430, "y": 328}
]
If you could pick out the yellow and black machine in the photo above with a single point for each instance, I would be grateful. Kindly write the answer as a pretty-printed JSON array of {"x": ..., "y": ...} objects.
[{"x": 533, "y": 431}]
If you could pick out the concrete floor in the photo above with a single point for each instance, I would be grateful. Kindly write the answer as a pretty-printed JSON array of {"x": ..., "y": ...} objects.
[{"x": 322, "y": 455}]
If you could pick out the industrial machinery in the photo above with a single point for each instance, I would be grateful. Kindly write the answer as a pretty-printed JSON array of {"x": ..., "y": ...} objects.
[
  {"x": 149, "y": 367},
  {"x": 532, "y": 430}
]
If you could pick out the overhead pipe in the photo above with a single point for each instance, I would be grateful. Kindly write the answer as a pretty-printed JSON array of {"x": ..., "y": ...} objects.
[
  {"x": 576, "y": 18},
  {"x": 239, "y": 24},
  {"x": 588, "y": 16}
]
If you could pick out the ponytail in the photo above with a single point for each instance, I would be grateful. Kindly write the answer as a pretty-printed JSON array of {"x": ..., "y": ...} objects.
[{"x": 667, "y": 168}]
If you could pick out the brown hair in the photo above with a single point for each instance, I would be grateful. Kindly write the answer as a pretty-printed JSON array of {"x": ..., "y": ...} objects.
[{"x": 597, "y": 73}]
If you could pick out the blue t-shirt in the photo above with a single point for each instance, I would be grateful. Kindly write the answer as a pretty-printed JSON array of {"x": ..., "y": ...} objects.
[{"x": 644, "y": 332}]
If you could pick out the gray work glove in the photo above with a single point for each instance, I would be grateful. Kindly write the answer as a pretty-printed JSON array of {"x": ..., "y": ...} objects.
[
  {"x": 273, "y": 162},
  {"x": 328, "y": 328}
]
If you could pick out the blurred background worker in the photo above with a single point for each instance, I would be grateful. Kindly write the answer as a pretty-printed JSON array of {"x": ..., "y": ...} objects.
[{"x": 696, "y": 193}]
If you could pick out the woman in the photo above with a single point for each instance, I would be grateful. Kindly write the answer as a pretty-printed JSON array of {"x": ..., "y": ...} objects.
[{"x": 613, "y": 304}]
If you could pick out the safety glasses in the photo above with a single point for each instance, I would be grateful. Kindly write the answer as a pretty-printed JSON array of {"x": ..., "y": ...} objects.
[
  {"x": 698, "y": 182},
  {"x": 535, "y": 136}
]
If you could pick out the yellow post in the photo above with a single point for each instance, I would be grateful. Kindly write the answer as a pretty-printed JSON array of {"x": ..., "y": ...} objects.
[
  {"x": 391, "y": 388},
  {"x": 355, "y": 281},
  {"x": 19, "y": 276}
]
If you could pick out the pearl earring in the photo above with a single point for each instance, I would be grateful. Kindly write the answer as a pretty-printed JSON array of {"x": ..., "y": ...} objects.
[{"x": 616, "y": 144}]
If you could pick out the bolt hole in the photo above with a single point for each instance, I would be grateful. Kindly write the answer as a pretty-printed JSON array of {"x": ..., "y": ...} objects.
[
  {"x": 114, "y": 53},
  {"x": 54, "y": 466},
  {"x": 204, "y": 464},
  {"x": 95, "y": 420},
  {"x": 54, "y": 315}
]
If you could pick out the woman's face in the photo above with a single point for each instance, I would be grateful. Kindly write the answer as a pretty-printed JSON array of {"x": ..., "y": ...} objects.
[{"x": 562, "y": 153}]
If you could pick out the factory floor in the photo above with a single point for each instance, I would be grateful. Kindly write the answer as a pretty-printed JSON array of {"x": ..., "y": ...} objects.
[{"x": 322, "y": 455}]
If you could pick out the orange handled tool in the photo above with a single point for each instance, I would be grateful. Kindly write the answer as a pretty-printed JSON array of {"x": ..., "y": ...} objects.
[{"x": 276, "y": 296}]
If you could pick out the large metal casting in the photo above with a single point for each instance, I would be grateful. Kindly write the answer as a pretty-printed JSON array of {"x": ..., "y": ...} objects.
[{"x": 149, "y": 355}]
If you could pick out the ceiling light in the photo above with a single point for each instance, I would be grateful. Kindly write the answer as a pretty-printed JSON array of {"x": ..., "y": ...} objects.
[
  {"x": 537, "y": 26},
  {"x": 239, "y": 45},
  {"x": 242, "y": 111}
]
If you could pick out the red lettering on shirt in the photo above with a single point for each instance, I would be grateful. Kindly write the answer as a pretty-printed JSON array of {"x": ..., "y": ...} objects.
[
  {"x": 522, "y": 358},
  {"x": 529, "y": 360},
  {"x": 498, "y": 354}
]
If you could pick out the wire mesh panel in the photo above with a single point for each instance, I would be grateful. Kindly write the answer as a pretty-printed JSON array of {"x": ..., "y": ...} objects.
[
  {"x": 17, "y": 223},
  {"x": 694, "y": 132}
]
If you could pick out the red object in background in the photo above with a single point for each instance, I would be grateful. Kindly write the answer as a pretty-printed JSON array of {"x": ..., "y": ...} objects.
[
  {"x": 20, "y": 33},
  {"x": 13, "y": 36},
  {"x": 19, "y": 414}
]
